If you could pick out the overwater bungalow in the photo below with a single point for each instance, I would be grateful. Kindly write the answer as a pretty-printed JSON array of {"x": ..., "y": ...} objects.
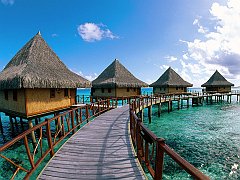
[
  {"x": 170, "y": 82},
  {"x": 36, "y": 82},
  {"x": 116, "y": 81},
  {"x": 217, "y": 83}
]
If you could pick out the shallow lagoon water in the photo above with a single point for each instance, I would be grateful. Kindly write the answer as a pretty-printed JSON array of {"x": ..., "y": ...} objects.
[{"x": 207, "y": 136}]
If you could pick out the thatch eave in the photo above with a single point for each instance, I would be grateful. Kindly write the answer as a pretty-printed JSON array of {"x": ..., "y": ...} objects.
[{"x": 37, "y": 66}]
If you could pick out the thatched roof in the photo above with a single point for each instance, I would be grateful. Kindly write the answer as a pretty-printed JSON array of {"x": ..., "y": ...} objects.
[
  {"x": 116, "y": 75},
  {"x": 217, "y": 80},
  {"x": 170, "y": 79},
  {"x": 37, "y": 66}
]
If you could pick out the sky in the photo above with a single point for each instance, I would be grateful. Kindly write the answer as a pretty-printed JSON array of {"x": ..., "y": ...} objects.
[{"x": 194, "y": 37}]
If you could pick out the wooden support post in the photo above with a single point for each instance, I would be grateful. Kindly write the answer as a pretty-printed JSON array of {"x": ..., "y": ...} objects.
[
  {"x": 171, "y": 105},
  {"x": 141, "y": 114},
  {"x": 150, "y": 114},
  {"x": 159, "y": 109},
  {"x": 15, "y": 122},
  {"x": 181, "y": 103},
  {"x": 21, "y": 122},
  {"x": 11, "y": 125},
  {"x": 37, "y": 131},
  {"x": 168, "y": 106},
  {"x": 1, "y": 127},
  {"x": 30, "y": 124},
  {"x": 178, "y": 101},
  {"x": 188, "y": 102}
]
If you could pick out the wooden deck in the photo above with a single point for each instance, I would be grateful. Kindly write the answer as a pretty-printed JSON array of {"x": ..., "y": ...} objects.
[{"x": 100, "y": 150}]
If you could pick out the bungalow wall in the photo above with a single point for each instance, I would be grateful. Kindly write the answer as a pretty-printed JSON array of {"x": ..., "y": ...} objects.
[
  {"x": 30, "y": 102},
  {"x": 221, "y": 89},
  {"x": 103, "y": 92},
  {"x": 112, "y": 92},
  {"x": 128, "y": 92},
  {"x": 39, "y": 101},
  {"x": 172, "y": 90},
  {"x": 10, "y": 105}
]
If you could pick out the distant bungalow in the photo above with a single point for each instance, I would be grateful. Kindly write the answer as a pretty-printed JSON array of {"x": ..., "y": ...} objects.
[
  {"x": 217, "y": 83},
  {"x": 170, "y": 82},
  {"x": 116, "y": 81},
  {"x": 36, "y": 81}
]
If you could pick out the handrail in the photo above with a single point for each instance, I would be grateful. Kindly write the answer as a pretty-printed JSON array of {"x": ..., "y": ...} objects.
[
  {"x": 143, "y": 139},
  {"x": 55, "y": 130}
]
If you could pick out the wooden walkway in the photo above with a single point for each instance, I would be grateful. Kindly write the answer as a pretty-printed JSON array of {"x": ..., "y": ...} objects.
[{"x": 100, "y": 150}]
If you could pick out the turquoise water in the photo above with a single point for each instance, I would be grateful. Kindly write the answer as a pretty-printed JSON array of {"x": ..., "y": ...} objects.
[
  {"x": 192, "y": 132},
  {"x": 207, "y": 136}
]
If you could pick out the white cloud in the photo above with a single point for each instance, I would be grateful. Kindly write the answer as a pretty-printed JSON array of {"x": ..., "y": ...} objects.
[
  {"x": 91, "y": 77},
  {"x": 54, "y": 35},
  {"x": 164, "y": 67},
  {"x": 218, "y": 48},
  {"x": 170, "y": 58},
  {"x": 91, "y": 32},
  {"x": 88, "y": 77},
  {"x": 201, "y": 29},
  {"x": 8, "y": 2}
]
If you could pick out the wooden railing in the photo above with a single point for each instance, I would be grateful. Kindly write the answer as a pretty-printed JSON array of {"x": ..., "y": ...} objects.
[
  {"x": 51, "y": 132},
  {"x": 151, "y": 149}
]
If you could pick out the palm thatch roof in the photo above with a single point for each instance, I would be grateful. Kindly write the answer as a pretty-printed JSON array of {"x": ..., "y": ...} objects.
[
  {"x": 116, "y": 75},
  {"x": 217, "y": 80},
  {"x": 37, "y": 66},
  {"x": 170, "y": 79}
]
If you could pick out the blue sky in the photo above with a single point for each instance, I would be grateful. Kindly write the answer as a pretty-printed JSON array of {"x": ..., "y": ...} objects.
[{"x": 193, "y": 37}]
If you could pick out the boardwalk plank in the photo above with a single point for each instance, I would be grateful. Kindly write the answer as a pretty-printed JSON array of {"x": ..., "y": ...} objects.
[{"x": 100, "y": 150}]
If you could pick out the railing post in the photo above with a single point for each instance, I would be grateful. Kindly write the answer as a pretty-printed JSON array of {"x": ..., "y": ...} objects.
[
  {"x": 108, "y": 103},
  {"x": 49, "y": 137},
  {"x": 72, "y": 120},
  {"x": 87, "y": 114},
  {"x": 30, "y": 158},
  {"x": 83, "y": 98},
  {"x": 159, "y": 159},
  {"x": 99, "y": 107},
  {"x": 138, "y": 139}
]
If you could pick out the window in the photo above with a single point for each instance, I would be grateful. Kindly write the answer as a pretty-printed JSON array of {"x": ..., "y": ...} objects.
[
  {"x": 134, "y": 89},
  {"x": 102, "y": 90},
  {"x": 127, "y": 89},
  {"x": 6, "y": 94},
  {"x": 182, "y": 88},
  {"x": 176, "y": 88},
  {"x": 93, "y": 90},
  {"x": 109, "y": 90},
  {"x": 66, "y": 92},
  {"x": 52, "y": 93},
  {"x": 15, "y": 95}
]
